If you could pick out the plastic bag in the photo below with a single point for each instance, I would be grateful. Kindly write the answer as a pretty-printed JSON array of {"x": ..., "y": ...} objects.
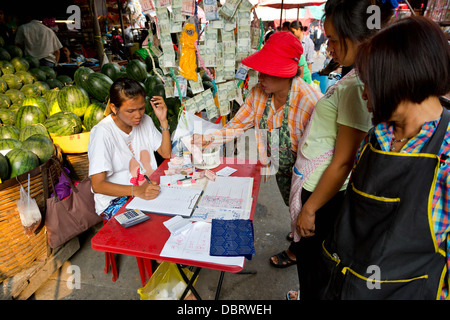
[
  {"x": 29, "y": 212},
  {"x": 166, "y": 283}
]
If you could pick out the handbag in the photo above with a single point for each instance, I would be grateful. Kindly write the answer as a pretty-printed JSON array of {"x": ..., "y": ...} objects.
[{"x": 67, "y": 218}]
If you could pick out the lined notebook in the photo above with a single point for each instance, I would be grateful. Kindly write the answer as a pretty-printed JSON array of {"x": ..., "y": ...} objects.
[{"x": 170, "y": 201}]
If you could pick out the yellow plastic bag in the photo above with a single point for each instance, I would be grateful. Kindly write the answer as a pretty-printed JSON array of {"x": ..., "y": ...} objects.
[{"x": 166, "y": 283}]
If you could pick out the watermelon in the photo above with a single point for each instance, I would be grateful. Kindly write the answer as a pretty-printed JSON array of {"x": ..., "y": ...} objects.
[
  {"x": 73, "y": 99},
  {"x": 93, "y": 115},
  {"x": 3, "y": 85},
  {"x": 20, "y": 64},
  {"x": 111, "y": 70},
  {"x": 15, "y": 107},
  {"x": 43, "y": 86},
  {"x": 9, "y": 132},
  {"x": 15, "y": 95},
  {"x": 26, "y": 77},
  {"x": 7, "y": 67},
  {"x": 14, "y": 51},
  {"x": 98, "y": 86},
  {"x": 10, "y": 143},
  {"x": 81, "y": 76},
  {"x": 7, "y": 116},
  {"x": 13, "y": 81},
  {"x": 53, "y": 83},
  {"x": 38, "y": 74},
  {"x": 51, "y": 94},
  {"x": 66, "y": 80},
  {"x": 31, "y": 90},
  {"x": 63, "y": 123},
  {"x": 149, "y": 63},
  {"x": 5, "y": 101},
  {"x": 53, "y": 107},
  {"x": 32, "y": 129},
  {"x": 32, "y": 61},
  {"x": 49, "y": 72},
  {"x": 38, "y": 101},
  {"x": 5, "y": 170},
  {"x": 150, "y": 84},
  {"x": 159, "y": 90},
  {"x": 21, "y": 161},
  {"x": 4, "y": 54},
  {"x": 29, "y": 115},
  {"x": 136, "y": 69},
  {"x": 41, "y": 145}
]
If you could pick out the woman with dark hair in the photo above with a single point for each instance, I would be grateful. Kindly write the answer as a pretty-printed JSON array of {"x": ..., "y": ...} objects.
[
  {"x": 392, "y": 237},
  {"x": 329, "y": 144},
  {"x": 122, "y": 145}
]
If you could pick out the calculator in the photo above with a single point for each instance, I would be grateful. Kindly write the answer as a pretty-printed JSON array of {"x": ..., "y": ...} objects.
[{"x": 131, "y": 217}]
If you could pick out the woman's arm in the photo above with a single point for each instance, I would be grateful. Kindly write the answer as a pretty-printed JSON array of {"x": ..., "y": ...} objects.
[
  {"x": 146, "y": 191},
  {"x": 347, "y": 143},
  {"x": 160, "y": 109}
]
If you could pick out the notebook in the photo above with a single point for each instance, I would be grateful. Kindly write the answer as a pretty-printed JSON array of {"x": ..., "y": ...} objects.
[{"x": 170, "y": 201}]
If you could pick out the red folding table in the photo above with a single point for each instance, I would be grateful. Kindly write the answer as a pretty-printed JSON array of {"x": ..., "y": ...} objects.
[{"x": 146, "y": 240}]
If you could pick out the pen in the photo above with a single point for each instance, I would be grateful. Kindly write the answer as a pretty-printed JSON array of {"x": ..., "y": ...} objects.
[{"x": 146, "y": 178}]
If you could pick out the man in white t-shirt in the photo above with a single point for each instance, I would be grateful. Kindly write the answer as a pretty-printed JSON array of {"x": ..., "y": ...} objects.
[
  {"x": 122, "y": 145},
  {"x": 40, "y": 42}
]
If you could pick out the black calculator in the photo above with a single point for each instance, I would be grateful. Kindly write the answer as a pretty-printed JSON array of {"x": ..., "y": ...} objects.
[{"x": 131, "y": 217}]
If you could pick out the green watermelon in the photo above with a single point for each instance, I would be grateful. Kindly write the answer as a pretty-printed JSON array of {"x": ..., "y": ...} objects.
[
  {"x": 43, "y": 86},
  {"x": 10, "y": 143},
  {"x": 136, "y": 69},
  {"x": 4, "y": 54},
  {"x": 15, "y": 107},
  {"x": 63, "y": 123},
  {"x": 5, "y": 170},
  {"x": 5, "y": 101},
  {"x": 21, "y": 161},
  {"x": 81, "y": 76},
  {"x": 20, "y": 64},
  {"x": 13, "y": 81},
  {"x": 31, "y": 90},
  {"x": 98, "y": 86},
  {"x": 32, "y": 61},
  {"x": 15, "y": 95},
  {"x": 41, "y": 145},
  {"x": 7, "y": 116},
  {"x": 93, "y": 115},
  {"x": 3, "y": 86},
  {"x": 111, "y": 70},
  {"x": 9, "y": 132},
  {"x": 49, "y": 72},
  {"x": 38, "y": 101},
  {"x": 150, "y": 84},
  {"x": 159, "y": 90},
  {"x": 25, "y": 76},
  {"x": 51, "y": 94},
  {"x": 149, "y": 63},
  {"x": 73, "y": 99},
  {"x": 66, "y": 80},
  {"x": 38, "y": 74},
  {"x": 53, "y": 83},
  {"x": 7, "y": 67},
  {"x": 53, "y": 107},
  {"x": 32, "y": 129},
  {"x": 29, "y": 115},
  {"x": 14, "y": 51}
]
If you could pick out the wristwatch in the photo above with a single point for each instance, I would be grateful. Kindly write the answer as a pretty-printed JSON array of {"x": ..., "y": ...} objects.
[{"x": 164, "y": 129}]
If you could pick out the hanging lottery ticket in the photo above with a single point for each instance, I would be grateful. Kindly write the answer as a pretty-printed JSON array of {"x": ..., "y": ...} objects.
[
  {"x": 211, "y": 109},
  {"x": 224, "y": 103},
  {"x": 162, "y": 3},
  {"x": 211, "y": 10},
  {"x": 182, "y": 83},
  {"x": 229, "y": 8},
  {"x": 241, "y": 72},
  {"x": 188, "y": 7},
  {"x": 198, "y": 100},
  {"x": 197, "y": 86},
  {"x": 189, "y": 106}
]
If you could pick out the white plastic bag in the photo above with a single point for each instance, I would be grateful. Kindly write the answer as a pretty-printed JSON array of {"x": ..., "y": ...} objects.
[{"x": 29, "y": 212}]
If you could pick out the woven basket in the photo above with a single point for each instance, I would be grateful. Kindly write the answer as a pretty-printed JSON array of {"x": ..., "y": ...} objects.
[
  {"x": 17, "y": 250},
  {"x": 78, "y": 164}
]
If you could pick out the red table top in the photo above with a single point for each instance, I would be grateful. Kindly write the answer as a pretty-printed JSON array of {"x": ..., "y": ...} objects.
[{"x": 147, "y": 239}]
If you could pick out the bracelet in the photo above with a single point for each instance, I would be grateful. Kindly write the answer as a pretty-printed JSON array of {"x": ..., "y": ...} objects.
[{"x": 165, "y": 129}]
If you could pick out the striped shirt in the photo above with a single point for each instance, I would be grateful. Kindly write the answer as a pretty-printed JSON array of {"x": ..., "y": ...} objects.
[
  {"x": 441, "y": 199},
  {"x": 303, "y": 99}
]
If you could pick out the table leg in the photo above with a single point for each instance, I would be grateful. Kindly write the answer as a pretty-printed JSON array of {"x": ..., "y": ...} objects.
[
  {"x": 145, "y": 269},
  {"x": 190, "y": 283},
  {"x": 219, "y": 285}
]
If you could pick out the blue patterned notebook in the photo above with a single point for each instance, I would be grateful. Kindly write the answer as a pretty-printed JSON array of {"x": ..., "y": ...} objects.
[{"x": 232, "y": 238}]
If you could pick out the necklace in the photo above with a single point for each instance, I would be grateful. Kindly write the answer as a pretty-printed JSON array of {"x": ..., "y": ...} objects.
[{"x": 397, "y": 141}]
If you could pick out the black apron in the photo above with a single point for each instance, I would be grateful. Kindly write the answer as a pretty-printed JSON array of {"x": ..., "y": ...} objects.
[{"x": 383, "y": 245}]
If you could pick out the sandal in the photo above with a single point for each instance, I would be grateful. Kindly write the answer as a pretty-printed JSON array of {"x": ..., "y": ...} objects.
[
  {"x": 283, "y": 260},
  {"x": 290, "y": 237},
  {"x": 288, "y": 294}
]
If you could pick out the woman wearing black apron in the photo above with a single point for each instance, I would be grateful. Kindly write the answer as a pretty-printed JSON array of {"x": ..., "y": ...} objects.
[{"x": 392, "y": 237}]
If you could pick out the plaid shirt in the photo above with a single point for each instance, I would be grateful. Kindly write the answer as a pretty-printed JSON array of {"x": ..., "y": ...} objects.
[
  {"x": 441, "y": 199},
  {"x": 303, "y": 99}
]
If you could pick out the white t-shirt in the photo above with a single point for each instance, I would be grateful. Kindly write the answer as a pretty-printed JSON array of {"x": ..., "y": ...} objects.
[
  {"x": 109, "y": 152},
  {"x": 39, "y": 40}
]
